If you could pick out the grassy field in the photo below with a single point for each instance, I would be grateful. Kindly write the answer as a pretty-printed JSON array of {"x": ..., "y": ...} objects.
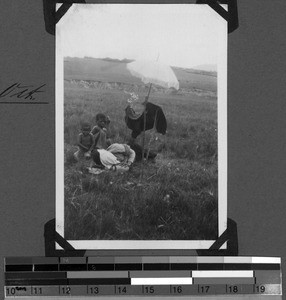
[{"x": 177, "y": 196}]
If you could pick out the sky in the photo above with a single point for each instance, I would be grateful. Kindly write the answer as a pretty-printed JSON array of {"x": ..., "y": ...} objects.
[{"x": 181, "y": 35}]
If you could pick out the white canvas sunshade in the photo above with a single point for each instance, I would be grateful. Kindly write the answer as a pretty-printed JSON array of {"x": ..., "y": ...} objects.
[{"x": 155, "y": 73}]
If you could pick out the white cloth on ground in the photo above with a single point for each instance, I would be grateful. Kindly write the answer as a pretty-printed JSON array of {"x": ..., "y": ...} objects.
[
  {"x": 107, "y": 158},
  {"x": 122, "y": 152}
]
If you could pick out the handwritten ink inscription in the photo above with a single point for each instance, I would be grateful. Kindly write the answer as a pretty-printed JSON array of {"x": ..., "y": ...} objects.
[{"x": 26, "y": 92}]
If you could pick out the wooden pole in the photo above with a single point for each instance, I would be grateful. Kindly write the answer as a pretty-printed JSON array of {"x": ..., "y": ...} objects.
[
  {"x": 144, "y": 128},
  {"x": 149, "y": 92}
]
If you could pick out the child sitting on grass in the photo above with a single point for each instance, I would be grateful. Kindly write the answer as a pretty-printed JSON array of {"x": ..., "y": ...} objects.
[
  {"x": 100, "y": 131},
  {"x": 85, "y": 142}
]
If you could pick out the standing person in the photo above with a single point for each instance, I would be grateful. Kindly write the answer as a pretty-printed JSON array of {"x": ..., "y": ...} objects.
[
  {"x": 100, "y": 131},
  {"x": 85, "y": 142}
]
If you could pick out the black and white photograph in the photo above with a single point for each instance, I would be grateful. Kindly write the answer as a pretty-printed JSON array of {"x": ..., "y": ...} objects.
[
  {"x": 141, "y": 126},
  {"x": 142, "y": 136}
]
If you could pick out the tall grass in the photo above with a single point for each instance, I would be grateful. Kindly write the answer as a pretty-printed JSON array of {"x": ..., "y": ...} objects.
[{"x": 177, "y": 196}]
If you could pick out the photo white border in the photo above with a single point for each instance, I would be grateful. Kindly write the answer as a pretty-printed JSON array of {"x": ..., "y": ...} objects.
[{"x": 222, "y": 161}]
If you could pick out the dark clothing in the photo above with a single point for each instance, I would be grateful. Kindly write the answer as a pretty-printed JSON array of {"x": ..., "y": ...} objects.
[
  {"x": 138, "y": 151},
  {"x": 96, "y": 158},
  {"x": 154, "y": 118}
]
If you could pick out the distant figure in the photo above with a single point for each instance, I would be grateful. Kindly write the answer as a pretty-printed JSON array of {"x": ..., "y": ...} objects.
[
  {"x": 154, "y": 118},
  {"x": 85, "y": 142},
  {"x": 117, "y": 157},
  {"x": 100, "y": 131}
]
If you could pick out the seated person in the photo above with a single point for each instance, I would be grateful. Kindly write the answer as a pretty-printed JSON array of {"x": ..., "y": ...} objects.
[
  {"x": 85, "y": 142},
  {"x": 100, "y": 131},
  {"x": 116, "y": 157}
]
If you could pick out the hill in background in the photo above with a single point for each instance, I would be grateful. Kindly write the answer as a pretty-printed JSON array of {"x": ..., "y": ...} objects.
[
  {"x": 110, "y": 70},
  {"x": 207, "y": 68}
]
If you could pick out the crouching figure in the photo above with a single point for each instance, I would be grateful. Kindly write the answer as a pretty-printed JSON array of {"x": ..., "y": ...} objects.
[{"x": 117, "y": 157}]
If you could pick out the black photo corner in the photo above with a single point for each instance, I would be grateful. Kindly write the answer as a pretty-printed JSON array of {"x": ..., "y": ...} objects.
[
  {"x": 52, "y": 16},
  {"x": 229, "y": 237},
  {"x": 256, "y": 170},
  {"x": 52, "y": 237}
]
